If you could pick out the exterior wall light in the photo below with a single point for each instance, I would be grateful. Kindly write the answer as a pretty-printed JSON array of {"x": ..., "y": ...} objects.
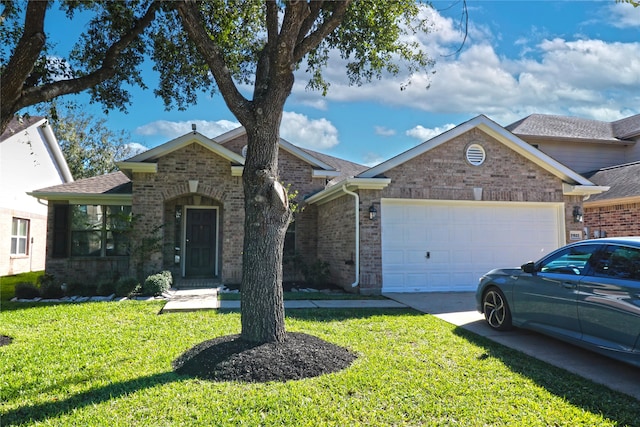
[
  {"x": 373, "y": 213},
  {"x": 577, "y": 214}
]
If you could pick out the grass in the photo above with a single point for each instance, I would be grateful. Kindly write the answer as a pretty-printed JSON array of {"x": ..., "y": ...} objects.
[
  {"x": 8, "y": 283},
  {"x": 98, "y": 364}
]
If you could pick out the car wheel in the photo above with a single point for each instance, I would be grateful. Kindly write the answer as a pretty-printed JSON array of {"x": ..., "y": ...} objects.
[{"x": 496, "y": 310}]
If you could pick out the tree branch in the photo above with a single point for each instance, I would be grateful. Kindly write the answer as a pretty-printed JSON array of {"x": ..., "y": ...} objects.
[
  {"x": 314, "y": 39},
  {"x": 23, "y": 60},
  {"x": 107, "y": 70},
  {"x": 192, "y": 21}
]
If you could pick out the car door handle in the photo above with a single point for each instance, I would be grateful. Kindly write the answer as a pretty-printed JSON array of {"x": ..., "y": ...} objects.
[{"x": 569, "y": 285}]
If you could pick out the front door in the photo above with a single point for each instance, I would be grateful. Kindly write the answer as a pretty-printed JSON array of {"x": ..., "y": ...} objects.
[{"x": 200, "y": 243}]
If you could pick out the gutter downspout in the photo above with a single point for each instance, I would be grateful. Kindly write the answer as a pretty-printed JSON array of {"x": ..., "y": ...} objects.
[
  {"x": 54, "y": 149},
  {"x": 357, "y": 202}
]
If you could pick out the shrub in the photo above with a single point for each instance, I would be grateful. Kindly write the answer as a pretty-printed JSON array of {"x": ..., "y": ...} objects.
[
  {"x": 106, "y": 287},
  {"x": 49, "y": 288},
  {"x": 169, "y": 276},
  {"x": 156, "y": 284},
  {"x": 126, "y": 286},
  {"x": 316, "y": 274},
  {"x": 26, "y": 290},
  {"x": 88, "y": 289},
  {"x": 73, "y": 288}
]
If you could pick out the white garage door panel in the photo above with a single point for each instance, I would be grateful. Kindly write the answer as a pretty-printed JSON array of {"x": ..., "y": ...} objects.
[{"x": 463, "y": 240}]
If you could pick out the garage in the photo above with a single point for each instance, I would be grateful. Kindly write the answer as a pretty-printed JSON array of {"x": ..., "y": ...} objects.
[{"x": 446, "y": 245}]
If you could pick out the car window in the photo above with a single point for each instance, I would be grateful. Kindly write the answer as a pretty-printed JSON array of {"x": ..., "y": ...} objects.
[
  {"x": 573, "y": 260},
  {"x": 619, "y": 262}
]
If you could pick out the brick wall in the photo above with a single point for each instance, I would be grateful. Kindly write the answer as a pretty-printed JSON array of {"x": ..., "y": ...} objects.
[
  {"x": 444, "y": 174},
  {"x": 621, "y": 219}
]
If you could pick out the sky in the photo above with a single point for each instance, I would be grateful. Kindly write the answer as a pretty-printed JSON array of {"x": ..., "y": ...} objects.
[{"x": 573, "y": 58}]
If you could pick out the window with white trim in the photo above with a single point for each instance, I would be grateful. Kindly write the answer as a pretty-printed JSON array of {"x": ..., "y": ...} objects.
[
  {"x": 20, "y": 236},
  {"x": 98, "y": 230}
]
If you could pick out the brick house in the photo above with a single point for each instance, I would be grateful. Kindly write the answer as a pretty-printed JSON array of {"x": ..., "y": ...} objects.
[
  {"x": 30, "y": 158},
  {"x": 607, "y": 153},
  {"x": 433, "y": 218}
]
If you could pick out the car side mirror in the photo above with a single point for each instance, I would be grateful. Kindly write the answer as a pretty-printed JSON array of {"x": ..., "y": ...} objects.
[{"x": 529, "y": 267}]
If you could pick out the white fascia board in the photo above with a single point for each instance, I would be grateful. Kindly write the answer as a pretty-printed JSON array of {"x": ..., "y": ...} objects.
[
  {"x": 183, "y": 141},
  {"x": 533, "y": 154},
  {"x": 582, "y": 190},
  {"x": 86, "y": 199},
  {"x": 303, "y": 155},
  {"x": 609, "y": 202},
  {"x": 237, "y": 170},
  {"x": 497, "y": 132},
  {"x": 351, "y": 184},
  {"x": 317, "y": 173},
  {"x": 143, "y": 167}
]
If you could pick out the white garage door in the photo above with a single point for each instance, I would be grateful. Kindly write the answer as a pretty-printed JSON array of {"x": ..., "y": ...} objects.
[{"x": 447, "y": 245}]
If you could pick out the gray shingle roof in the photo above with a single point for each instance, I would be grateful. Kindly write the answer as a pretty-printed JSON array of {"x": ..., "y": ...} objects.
[
  {"x": 16, "y": 125},
  {"x": 624, "y": 181},
  {"x": 111, "y": 183},
  {"x": 542, "y": 125},
  {"x": 627, "y": 128},
  {"x": 346, "y": 168}
]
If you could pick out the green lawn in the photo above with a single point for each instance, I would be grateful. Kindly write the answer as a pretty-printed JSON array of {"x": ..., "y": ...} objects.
[
  {"x": 8, "y": 283},
  {"x": 109, "y": 364}
]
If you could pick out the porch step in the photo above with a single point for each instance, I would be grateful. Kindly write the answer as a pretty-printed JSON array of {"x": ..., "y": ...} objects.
[
  {"x": 192, "y": 300},
  {"x": 182, "y": 283}
]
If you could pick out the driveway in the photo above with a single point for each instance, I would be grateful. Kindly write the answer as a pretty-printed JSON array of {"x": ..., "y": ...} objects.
[{"x": 459, "y": 309}]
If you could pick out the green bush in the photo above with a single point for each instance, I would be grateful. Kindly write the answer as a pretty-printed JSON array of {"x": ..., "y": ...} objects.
[
  {"x": 26, "y": 290},
  {"x": 106, "y": 287},
  {"x": 156, "y": 284},
  {"x": 126, "y": 286},
  {"x": 316, "y": 274},
  {"x": 169, "y": 276},
  {"x": 49, "y": 288},
  {"x": 73, "y": 288}
]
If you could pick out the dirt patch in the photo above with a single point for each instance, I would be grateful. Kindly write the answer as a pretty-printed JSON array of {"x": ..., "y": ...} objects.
[
  {"x": 230, "y": 358},
  {"x": 5, "y": 340}
]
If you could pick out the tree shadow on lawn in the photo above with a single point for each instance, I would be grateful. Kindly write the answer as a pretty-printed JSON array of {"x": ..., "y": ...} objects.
[
  {"x": 339, "y": 314},
  {"x": 594, "y": 398},
  {"x": 43, "y": 411}
]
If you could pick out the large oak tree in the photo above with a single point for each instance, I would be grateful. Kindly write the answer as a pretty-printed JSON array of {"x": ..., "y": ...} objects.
[{"x": 248, "y": 51}]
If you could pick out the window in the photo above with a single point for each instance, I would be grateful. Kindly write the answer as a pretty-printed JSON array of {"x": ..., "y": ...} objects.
[
  {"x": 619, "y": 262},
  {"x": 98, "y": 230},
  {"x": 574, "y": 260},
  {"x": 20, "y": 236}
]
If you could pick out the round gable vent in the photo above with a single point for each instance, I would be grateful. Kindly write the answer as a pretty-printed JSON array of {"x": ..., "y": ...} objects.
[
  {"x": 244, "y": 151},
  {"x": 476, "y": 154}
]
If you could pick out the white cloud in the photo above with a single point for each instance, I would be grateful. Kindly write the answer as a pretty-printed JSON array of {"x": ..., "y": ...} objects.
[
  {"x": 170, "y": 129},
  {"x": 555, "y": 76},
  {"x": 425, "y": 134},
  {"x": 318, "y": 134},
  {"x": 623, "y": 15},
  {"x": 373, "y": 159},
  {"x": 136, "y": 148},
  {"x": 384, "y": 131}
]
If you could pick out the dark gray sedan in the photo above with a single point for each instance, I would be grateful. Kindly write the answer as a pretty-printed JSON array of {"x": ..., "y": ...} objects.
[{"x": 586, "y": 293}]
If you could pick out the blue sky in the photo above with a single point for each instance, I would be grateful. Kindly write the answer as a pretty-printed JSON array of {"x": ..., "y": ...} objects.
[{"x": 577, "y": 58}]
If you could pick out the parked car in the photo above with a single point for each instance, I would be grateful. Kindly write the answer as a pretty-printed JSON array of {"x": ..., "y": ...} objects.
[{"x": 586, "y": 293}]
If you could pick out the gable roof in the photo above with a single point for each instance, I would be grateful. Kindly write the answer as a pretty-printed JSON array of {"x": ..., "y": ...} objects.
[
  {"x": 303, "y": 154},
  {"x": 146, "y": 161},
  {"x": 624, "y": 181},
  {"x": 114, "y": 187},
  {"x": 576, "y": 129},
  {"x": 497, "y": 132}
]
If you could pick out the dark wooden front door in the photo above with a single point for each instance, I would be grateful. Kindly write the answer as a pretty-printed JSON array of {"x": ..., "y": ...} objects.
[{"x": 200, "y": 243}]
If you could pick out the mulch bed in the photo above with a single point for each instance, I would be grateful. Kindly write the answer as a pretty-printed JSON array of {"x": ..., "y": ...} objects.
[
  {"x": 230, "y": 358},
  {"x": 5, "y": 340}
]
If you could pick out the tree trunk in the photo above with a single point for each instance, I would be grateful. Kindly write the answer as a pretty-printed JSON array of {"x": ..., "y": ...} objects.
[{"x": 267, "y": 216}]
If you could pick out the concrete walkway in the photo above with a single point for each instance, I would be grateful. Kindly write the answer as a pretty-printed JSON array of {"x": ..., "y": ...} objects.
[
  {"x": 459, "y": 309},
  {"x": 207, "y": 299}
]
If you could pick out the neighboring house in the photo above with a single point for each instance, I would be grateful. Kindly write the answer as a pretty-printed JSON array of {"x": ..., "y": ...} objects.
[
  {"x": 605, "y": 152},
  {"x": 434, "y": 218},
  {"x": 30, "y": 158}
]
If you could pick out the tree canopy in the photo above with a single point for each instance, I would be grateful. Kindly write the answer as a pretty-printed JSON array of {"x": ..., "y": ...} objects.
[{"x": 248, "y": 51}]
